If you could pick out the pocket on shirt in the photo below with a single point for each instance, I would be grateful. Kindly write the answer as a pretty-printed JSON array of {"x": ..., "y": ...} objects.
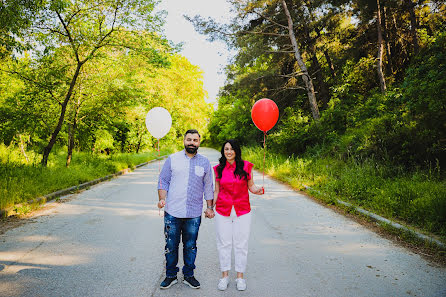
[{"x": 199, "y": 171}]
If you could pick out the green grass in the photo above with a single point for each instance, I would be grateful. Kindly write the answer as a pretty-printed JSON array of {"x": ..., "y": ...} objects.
[
  {"x": 416, "y": 199},
  {"x": 21, "y": 181}
]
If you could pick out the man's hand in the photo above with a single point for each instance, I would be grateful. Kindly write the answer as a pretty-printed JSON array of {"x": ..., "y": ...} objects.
[
  {"x": 209, "y": 213},
  {"x": 161, "y": 203}
]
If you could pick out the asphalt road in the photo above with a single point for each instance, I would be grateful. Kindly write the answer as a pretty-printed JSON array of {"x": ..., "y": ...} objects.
[{"x": 108, "y": 241}]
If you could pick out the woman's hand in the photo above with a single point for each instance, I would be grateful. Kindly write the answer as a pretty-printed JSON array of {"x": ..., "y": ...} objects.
[
  {"x": 260, "y": 191},
  {"x": 254, "y": 189}
]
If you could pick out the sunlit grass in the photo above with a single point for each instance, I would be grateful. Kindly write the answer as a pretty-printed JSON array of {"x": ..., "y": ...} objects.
[
  {"x": 21, "y": 180},
  {"x": 416, "y": 198}
]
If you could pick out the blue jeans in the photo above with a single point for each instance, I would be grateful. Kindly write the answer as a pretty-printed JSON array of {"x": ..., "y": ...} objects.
[{"x": 174, "y": 228}]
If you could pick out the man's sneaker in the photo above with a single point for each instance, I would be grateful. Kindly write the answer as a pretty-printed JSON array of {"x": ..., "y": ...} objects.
[
  {"x": 241, "y": 284},
  {"x": 191, "y": 282},
  {"x": 168, "y": 282},
  {"x": 223, "y": 283}
]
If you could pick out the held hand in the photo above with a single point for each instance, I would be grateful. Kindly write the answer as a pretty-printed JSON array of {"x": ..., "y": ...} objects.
[
  {"x": 161, "y": 203},
  {"x": 209, "y": 213}
]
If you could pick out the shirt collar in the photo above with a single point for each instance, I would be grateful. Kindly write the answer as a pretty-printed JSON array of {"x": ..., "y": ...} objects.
[
  {"x": 229, "y": 165},
  {"x": 184, "y": 151}
]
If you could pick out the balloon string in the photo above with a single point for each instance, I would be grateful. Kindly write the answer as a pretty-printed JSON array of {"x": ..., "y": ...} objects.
[
  {"x": 159, "y": 169},
  {"x": 264, "y": 156},
  {"x": 159, "y": 155}
]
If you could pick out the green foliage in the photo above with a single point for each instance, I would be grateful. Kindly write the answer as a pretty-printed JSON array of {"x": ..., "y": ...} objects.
[
  {"x": 384, "y": 152},
  {"x": 233, "y": 120},
  {"x": 406, "y": 126},
  {"x": 358, "y": 77},
  {"x": 417, "y": 198},
  {"x": 424, "y": 99},
  {"x": 116, "y": 86},
  {"x": 21, "y": 181},
  {"x": 15, "y": 16},
  {"x": 104, "y": 141}
]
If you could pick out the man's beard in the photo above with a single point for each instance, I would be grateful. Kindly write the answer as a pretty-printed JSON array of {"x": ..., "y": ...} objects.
[{"x": 191, "y": 149}]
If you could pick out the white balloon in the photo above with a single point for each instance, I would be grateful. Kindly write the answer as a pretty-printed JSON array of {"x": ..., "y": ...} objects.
[{"x": 158, "y": 122}]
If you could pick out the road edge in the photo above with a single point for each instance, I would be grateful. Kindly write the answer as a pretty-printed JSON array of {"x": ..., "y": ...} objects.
[
  {"x": 12, "y": 210},
  {"x": 377, "y": 218}
]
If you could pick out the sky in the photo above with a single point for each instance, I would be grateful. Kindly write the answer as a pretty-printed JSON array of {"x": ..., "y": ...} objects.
[{"x": 211, "y": 57}]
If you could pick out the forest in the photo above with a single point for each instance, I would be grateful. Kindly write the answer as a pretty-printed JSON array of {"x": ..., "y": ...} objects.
[
  {"x": 77, "y": 79},
  {"x": 377, "y": 74},
  {"x": 361, "y": 89},
  {"x": 360, "y": 85}
]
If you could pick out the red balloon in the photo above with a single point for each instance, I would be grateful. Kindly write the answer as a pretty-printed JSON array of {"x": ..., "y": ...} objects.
[{"x": 265, "y": 114}]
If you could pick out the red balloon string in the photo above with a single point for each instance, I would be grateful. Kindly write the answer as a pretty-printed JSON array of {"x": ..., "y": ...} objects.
[{"x": 264, "y": 156}]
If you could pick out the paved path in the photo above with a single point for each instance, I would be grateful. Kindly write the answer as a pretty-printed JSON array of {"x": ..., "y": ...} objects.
[{"x": 108, "y": 241}]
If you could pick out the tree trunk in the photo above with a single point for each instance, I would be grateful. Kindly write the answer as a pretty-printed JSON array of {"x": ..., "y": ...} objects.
[
  {"x": 382, "y": 81},
  {"x": 306, "y": 78},
  {"x": 330, "y": 63},
  {"x": 22, "y": 148},
  {"x": 71, "y": 133},
  {"x": 387, "y": 41},
  {"x": 413, "y": 25},
  {"x": 70, "y": 144},
  {"x": 49, "y": 147},
  {"x": 138, "y": 146},
  {"x": 316, "y": 66},
  {"x": 140, "y": 135}
]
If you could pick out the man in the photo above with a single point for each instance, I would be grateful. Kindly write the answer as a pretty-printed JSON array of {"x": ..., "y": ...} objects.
[{"x": 185, "y": 178}]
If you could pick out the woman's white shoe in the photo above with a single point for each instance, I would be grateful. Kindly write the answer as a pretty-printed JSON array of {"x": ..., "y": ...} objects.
[
  {"x": 223, "y": 283},
  {"x": 241, "y": 284}
]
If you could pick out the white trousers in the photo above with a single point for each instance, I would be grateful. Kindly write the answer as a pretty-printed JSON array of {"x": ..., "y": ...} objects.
[{"x": 231, "y": 232}]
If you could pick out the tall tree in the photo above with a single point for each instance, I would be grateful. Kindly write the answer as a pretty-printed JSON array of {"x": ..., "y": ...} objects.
[
  {"x": 379, "y": 60},
  {"x": 86, "y": 27},
  {"x": 265, "y": 27},
  {"x": 305, "y": 76}
]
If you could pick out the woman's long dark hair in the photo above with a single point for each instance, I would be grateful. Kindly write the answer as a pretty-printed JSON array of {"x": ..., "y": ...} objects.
[{"x": 239, "y": 171}]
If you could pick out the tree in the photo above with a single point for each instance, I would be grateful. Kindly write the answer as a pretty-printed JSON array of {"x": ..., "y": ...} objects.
[
  {"x": 15, "y": 16},
  {"x": 306, "y": 78},
  {"x": 86, "y": 27},
  {"x": 266, "y": 29},
  {"x": 105, "y": 87},
  {"x": 379, "y": 59},
  {"x": 180, "y": 90}
]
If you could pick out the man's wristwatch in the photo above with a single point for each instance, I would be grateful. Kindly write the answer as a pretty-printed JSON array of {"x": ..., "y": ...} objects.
[{"x": 210, "y": 207}]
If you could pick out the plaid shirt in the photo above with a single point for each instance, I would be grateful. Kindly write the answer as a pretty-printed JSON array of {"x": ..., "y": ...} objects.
[{"x": 186, "y": 180}]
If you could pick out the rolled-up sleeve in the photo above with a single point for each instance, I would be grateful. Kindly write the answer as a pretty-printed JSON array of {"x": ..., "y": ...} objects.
[
  {"x": 208, "y": 183},
  {"x": 165, "y": 176}
]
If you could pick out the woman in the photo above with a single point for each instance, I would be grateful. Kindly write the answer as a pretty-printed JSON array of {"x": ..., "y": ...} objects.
[{"x": 233, "y": 178}]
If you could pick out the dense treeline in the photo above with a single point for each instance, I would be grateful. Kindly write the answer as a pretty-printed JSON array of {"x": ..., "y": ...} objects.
[
  {"x": 376, "y": 69},
  {"x": 82, "y": 75}
]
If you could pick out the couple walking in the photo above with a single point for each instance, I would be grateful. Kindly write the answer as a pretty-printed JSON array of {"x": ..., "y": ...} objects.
[{"x": 185, "y": 179}]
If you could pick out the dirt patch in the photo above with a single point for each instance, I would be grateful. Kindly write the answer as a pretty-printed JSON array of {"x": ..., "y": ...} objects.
[
  {"x": 15, "y": 221},
  {"x": 11, "y": 223}
]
